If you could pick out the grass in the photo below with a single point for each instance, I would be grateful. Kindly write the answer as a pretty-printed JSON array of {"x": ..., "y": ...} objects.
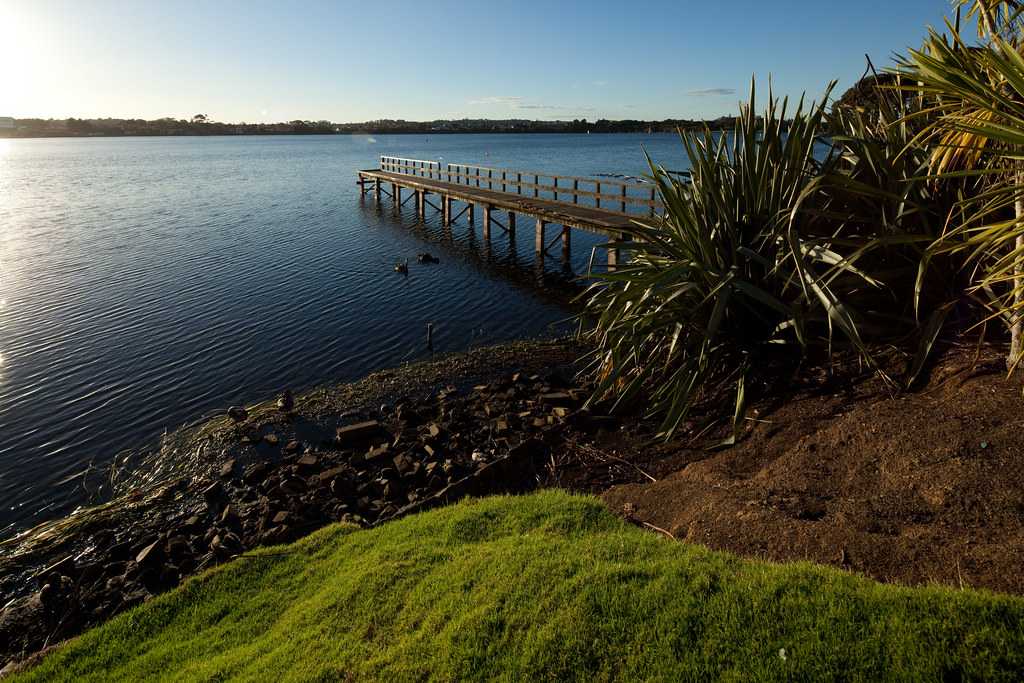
[{"x": 548, "y": 586}]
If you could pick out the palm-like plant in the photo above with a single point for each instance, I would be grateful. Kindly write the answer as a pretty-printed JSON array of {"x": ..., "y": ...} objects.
[
  {"x": 978, "y": 130},
  {"x": 734, "y": 269}
]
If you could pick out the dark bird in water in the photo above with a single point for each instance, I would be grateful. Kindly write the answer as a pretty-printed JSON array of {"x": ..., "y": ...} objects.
[
  {"x": 402, "y": 267},
  {"x": 286, "y": 403},
  {"x": 427, "y": 258}
]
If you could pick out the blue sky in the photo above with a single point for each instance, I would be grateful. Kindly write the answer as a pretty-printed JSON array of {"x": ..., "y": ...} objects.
[{"x": 355, "y": 61}]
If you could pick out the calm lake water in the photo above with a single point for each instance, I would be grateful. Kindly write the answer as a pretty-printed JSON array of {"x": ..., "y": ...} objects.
[{"x": 145, "y": 282}]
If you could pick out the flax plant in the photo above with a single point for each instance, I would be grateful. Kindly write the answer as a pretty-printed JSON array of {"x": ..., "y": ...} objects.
[
  {"x": 733, "y": 276},
  {"x": 977, "y": 130}
]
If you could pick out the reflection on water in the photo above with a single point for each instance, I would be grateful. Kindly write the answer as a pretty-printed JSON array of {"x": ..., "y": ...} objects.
[{"x": 147, "y": 281}]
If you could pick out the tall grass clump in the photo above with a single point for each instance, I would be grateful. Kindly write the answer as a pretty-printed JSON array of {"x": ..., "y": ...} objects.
[{"x": 743, "y": 274}]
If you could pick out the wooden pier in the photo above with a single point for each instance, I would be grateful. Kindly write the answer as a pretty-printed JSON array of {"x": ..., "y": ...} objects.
[{"x": 597, "y": 205}]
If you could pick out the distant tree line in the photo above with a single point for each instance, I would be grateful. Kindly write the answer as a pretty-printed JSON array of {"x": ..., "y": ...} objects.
[{"x": 202, "y": 124}]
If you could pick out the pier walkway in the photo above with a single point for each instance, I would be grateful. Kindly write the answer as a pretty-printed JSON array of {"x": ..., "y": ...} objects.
[{"x": 598, "y": 205}]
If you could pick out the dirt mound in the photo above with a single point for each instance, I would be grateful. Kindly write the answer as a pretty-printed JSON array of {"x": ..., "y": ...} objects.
[{"x": 924, "y": 487}]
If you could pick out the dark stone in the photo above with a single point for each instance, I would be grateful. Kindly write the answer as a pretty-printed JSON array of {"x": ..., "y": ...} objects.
[
  {"x": 229, "y": 518},
  {"x": 328, "y": 476},
  {"x": 64, "y": 567},
  {"x": 293, "y": 486},
  {"x": 281, "y": 518},
  {"x": 238, "y": 414},
  {"x": 403, "y": 464},
  {"x": 150, "y": 555},
  {"x": 214, "y": 493},
  {"x": 293, "y": 447},
  {"x": 308, "y": 461},
  {"x": 256, "y": 473},
  {"x": 286, "y": 403},
  {"x": 558, "y": 398},
  {"x": 377, "y": 453},
  {"x": 356, "y": 433},
  {"x": 170, "y": 576},
  {"x": 136, "y": 596},
  {"x": 178, "y": 546},
  {"x": 90, "y": 573},
  {"x": 227, "y": 469},
  {"x": 48, "y": 594}
]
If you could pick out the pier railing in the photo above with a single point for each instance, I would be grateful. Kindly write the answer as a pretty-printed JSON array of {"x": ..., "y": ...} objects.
[{"x": 616, "y": 196}]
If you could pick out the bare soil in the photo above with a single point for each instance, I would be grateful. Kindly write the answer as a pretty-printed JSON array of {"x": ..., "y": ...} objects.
[{"x": 918, "y": 488}]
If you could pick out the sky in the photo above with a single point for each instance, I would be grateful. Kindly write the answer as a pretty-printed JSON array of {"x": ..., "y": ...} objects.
[{"x": 345, "y": 61}]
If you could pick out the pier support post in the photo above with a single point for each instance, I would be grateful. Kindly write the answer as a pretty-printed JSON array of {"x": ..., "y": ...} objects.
[
  {"x": 511, "y": 225},
  {"x": 396, "y": 194},
  {"x": 614, "y": 255},
  {"x": 421, "y": 201},
  {"x": 566, "y": 243},
  {"x": 376, "y": 189},
  {"x": 539, "y": 245},
  {"x": 446, "y": 211},
  {"x": 471, "y": 210},
  {"x": 487, "y": 222}
]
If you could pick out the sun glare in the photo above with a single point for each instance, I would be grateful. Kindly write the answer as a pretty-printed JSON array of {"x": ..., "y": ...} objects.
[{"x": 25, "y": 60}]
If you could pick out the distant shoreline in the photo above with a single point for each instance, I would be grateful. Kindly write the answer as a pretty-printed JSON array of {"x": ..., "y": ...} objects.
[
  {"x": 359, "y": 134},
  {"x": 88, "y": 128}
]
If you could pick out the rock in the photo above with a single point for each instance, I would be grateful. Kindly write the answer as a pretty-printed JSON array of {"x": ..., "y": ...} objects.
[
  {"x": 433, "y": 430},
  {"x": 293, "y": 447},
  {"x": 47, "y": 594},
  {"x": 229, "y": 518},
  {"x": 286, "y": 403},
  {"x": 192, "y": 523},
  {"x": 357, "y": 433},
  {"x": 558, "y": 398},
  {"x": 170, "y": 576},
  {"x": 64, "y": 567},
  {"x": 293, "y": 486},
  {"x": 327, "y": 476},
  {"x": 238, "y": 414},
  {"x": 90, "y": 573},
  {"x": 149, "y": 555},
  {"x": 227, "y": 469},
  {"x": 403, "y": 463},
  {"x": 136, "y": 596},
  {"x": 272, "y": 439},
  {"x": 256, "y": 473},
  {"x": 213, "y": 493},
  {"x": 377, "y": 453},
  {"x": 177, "y": 546},
  {"x": 282, "y": 518},
  {"x": 308, "y": 461}
]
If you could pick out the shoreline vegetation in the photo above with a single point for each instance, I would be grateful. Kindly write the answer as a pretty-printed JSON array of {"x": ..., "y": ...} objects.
[{"x": 200, "y": 125}]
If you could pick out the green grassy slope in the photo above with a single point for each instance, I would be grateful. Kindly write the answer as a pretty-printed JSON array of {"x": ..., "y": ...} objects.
[{"x": 542, "y": 587}]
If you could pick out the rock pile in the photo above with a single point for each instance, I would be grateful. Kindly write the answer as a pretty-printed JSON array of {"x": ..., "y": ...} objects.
[{"x": 411, "y": 455}]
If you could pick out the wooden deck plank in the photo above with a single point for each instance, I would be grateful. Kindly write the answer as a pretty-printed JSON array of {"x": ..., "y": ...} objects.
[{"x": 549, "y": 210}]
